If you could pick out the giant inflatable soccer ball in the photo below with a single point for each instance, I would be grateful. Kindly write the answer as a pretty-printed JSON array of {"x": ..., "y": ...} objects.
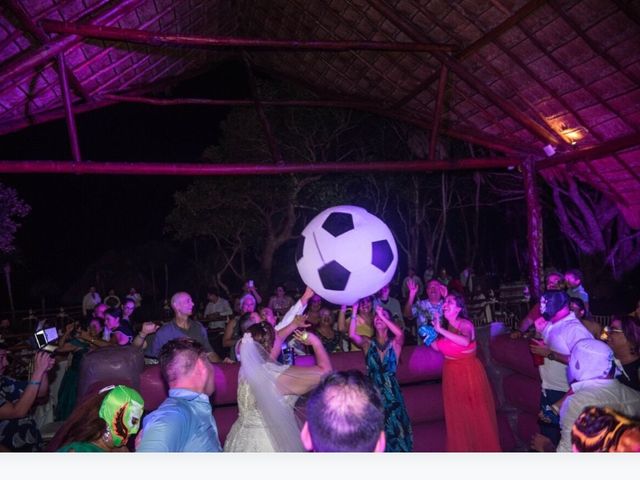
[{"x": 345, "y": 254}]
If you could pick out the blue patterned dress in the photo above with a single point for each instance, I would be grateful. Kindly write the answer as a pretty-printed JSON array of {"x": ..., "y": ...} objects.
[
  {"x": 397, "y": 426},
  {"x": 17, "y": 434}
]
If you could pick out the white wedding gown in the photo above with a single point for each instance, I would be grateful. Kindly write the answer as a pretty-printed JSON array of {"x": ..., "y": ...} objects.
[{"x": 250, "y": 433}]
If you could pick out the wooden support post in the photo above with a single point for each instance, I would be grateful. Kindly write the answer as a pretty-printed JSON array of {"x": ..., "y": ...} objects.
[
  {"x": 534, "y": 227},
  {"x": 68, "y": 109}
]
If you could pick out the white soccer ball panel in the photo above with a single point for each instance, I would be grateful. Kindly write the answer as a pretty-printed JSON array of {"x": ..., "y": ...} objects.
[{"x": 338, "y": 254}]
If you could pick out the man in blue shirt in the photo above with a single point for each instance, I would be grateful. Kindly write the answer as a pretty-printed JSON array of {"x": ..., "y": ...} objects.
[
  {"x": 425, "y": 310},
  {"x": 575, "y": 289},
  {"x": 183, "y": 422}
]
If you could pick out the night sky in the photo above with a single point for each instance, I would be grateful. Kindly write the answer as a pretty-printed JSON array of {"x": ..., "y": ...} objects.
[{"x": 76, "y": 218}]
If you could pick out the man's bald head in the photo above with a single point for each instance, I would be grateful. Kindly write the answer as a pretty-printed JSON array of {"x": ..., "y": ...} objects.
[
  {"x": 344, "y": 414},
  {"x": 182, "y": 304}
]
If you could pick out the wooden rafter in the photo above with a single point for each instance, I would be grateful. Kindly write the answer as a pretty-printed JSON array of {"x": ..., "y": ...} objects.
[
  {"x": 118, "y": 168},
  {"x": 592, "y": 152},
  {"x": 36, "y": 32},
  {"x": 414, "y": 33},
  {"x": 358, "y": 56},
  {"x": 201, "y": 41},
  {"x": 467, "y": 134},
  {"x": 485, "y": 39},
  {"x": 99, "y": 102},
  {"x": 68, "y": 110},
  {"x": 595, "y": 46},
  {"x": 237, "y": 102},
  {"x": 42, "y": 55},
  {"x": 578, "y": 81}
]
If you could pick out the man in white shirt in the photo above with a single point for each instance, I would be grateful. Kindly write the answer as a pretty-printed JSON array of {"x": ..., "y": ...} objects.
[
  {"x": 385, "y": 300},
  {"x": 560, "y": 330},
  {"x": 217, "y": 310},
  {"x": 591, "y": 370},
  {"x": 89, "y": 302}
]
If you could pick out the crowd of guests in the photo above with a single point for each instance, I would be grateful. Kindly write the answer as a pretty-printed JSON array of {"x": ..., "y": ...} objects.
[{"x": 583, "y": 366}]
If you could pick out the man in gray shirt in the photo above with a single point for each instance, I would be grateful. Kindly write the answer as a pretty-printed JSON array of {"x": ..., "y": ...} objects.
[{"x": 181, "y": 326}]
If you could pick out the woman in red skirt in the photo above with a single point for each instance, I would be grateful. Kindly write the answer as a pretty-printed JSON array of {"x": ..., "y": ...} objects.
[{"x": 469, "y": 409}]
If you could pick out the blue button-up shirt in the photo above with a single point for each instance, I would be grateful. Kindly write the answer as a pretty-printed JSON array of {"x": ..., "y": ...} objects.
[
  {"x": 183, "y": 423},
  {"x": 423, "y": 311}
]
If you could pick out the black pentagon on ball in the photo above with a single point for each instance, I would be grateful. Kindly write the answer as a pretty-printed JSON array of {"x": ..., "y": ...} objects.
[
  {"x": 381, "y": 255},
  {"x": 338, "y": 223},
  {"x": 300, "y": 248},
  {"x": 334, "y": 276}
]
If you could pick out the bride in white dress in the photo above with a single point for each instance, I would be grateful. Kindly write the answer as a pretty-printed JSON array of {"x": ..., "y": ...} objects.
[{"x": 268, "y": 391}]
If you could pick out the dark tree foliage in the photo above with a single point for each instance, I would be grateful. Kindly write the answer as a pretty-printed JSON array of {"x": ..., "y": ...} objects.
[{"x": 12, "y": 208}]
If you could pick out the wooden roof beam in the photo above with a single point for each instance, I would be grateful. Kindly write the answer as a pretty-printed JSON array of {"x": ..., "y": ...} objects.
[
  {"x": 206, "y": 169},
  {"x": 36, "y": 32},
  {"x": 414, "y": 33},
  {"x": 468, "y": 134},
  {"x": 593, "y": 152},
  {"x": 485, "y": 39},
  {"x": 98, "y": 102},
  {"x": 47, "y": 52},
  {"x": 198, "y": 41}
]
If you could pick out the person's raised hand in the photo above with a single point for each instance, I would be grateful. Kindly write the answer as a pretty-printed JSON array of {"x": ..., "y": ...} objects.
[
  {"x": 149, "y": 327},
  {"x": 43, "y": 362},
  {"x": 301, "y": 321},
  {"x": 306, "y": 337},
  {"x": 540, "y": 324},
  {"x": 306, "y": 296},
  {"x": 413, "y": 286},
  {"x": 538, "y": 347}
]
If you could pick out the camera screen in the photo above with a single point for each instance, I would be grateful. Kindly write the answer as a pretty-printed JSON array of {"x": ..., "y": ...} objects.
[{"x": 41, "y": 339}]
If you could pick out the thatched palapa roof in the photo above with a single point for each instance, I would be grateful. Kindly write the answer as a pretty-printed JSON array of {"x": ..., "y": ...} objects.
[{"x": 525, "y": 78}]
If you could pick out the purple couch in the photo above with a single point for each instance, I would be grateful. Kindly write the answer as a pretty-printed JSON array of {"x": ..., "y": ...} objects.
[
  {"x": 520, "y": 383},
  {"x": 419, "y": 373}
]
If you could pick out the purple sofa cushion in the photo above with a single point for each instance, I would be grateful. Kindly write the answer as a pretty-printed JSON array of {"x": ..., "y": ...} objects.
[
  {"x": 424, "y": 402},
  {"x": 522, "y": 392},
  {"x": 429, "y": 436},
  {"x": 527, "y": 426},
  {"x": 514, "y": 354},
  {"x": 225, "y": 417},
  {"x": 507, "y": 440}
]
